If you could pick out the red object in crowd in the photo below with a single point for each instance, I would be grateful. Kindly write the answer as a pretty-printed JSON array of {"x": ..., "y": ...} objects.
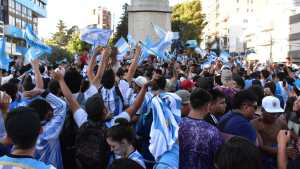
[
  {"x": 187, "y": 84},
  {"x": 84, "y": 59}
]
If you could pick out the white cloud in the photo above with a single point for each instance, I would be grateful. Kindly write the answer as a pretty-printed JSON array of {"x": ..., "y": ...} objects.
[{"x": 75, "y": 12}]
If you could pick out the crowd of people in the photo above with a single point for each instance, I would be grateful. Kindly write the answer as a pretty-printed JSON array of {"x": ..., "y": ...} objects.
[{"x": 98, "y": 112}]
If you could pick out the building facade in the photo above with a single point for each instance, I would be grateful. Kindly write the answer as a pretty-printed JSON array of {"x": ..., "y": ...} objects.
[
  {"x": 294, "y": 38},
  {"x": 15, "y": 15},
  {"x": 249, "y": 25},
  {"x": 101, "y": 18},
  {"x": 143, "y": 14}
]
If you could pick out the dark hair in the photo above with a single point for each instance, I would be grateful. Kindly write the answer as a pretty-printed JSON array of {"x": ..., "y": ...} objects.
[
  {"x": 23, "y": 127},
  {"x": 73, "y": 80},
  {"x": 27, "y": 83},
  {"x": 42, "y": 107},
  {"x": 272, "y": 86},
  {"x": 256, "y": 83},
  {"x": 85, "y": 84},
  {"x": 281, "y": 76},
  {"x": 216, "y": 94},
  {"x": 238, "y": 153},
  {"x": 206, "y": 83},
  {"x": 108, "y": 79},
  {"x": 259, "y": 92},
  {"x": 243, "y": 97},
  {"x": 53, "y": 86},
  {"x": 94, "y": 107},
  {"x": 122, "y": 130},
  {"x": 199, "y": 98},
  {"x": 289, "y": 106},
  {"x": 11, "y": 89},
  {"x": 159, "y": 83},
  {"x": 265, "y": 73},
  {"x": 124, "y": 163},
  {"x": 239, "y": 81}
]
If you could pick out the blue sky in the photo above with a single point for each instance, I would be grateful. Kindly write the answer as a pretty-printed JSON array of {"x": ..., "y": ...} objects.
[{"x": 75, "y": 12}]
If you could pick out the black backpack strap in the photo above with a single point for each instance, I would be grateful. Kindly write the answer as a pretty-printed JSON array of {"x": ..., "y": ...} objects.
[{"x": 119, "y": 93}]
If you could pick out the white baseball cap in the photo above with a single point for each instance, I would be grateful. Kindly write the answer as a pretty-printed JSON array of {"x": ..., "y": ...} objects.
[
  {"x": 140, "y": 81},
  {"x": 271, "y": 104}
]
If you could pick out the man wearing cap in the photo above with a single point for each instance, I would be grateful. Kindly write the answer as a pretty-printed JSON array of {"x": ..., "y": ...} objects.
[
  {"x": 131, "y": 94},
  {"x": 268, "y": 127},
  {"x": 185, "y": 101}
]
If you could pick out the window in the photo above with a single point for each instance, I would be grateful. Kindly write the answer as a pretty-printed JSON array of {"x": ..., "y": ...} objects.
[
  {"x": 12, "y": 20},
  {"x": 237, "y": 1},
  {"x": 23, "y": 24},
  {"x": 24, "y": 11},
  {"x": 18, "y": 8},
  {"x": 18, "y": 23},
  {"x": 12, "y": 4},
  {"x": 29, "y": 14}
]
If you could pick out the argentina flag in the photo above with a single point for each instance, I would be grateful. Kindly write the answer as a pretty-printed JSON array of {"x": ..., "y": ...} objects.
[
  {"x": 123, "y": 48},
  {"x": 166, "y": 118},
  {"x": 145, "y": 53},
  {"x": 33, "y": 53},
  {"x": 4, "y": 58},
  {"x": 131, "y": 41},
  {"x": 33, "y": 40},
  {"x": 159, "y": 31},
  {"x": 96, "y": 36}
]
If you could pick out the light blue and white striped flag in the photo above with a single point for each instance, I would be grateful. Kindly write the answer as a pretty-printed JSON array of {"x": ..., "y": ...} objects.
[
  {"x": 160, "y": 48},
  {"x": 123, "y": 48},
  {"x": 161, "y": 33},
  {"x": 145, "y": 52},
  {"x": 96, "y": 36},
  {"x": 131, "y": 41},
  {"x": 224, "y": 56},
  {"x": 166, "y": 118},
  {"x": 33, "y": 40},
  {"x": 4, "y": 58},
  {"x": 32, "y": 54}
]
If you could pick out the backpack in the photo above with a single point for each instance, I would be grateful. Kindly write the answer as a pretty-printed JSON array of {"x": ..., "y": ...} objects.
[{"x": 91, "y": 148}]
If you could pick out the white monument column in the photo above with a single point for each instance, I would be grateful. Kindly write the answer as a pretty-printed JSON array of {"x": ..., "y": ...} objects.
[{"x": 143, "y": 13}]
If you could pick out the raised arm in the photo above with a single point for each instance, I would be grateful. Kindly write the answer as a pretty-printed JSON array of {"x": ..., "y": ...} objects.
[
  {"x": 90, "y": 69},
  {"x": 37, "y": 74},
  {"x": 133, "y": 65},
  {"x": 283, "y": 138},
  {"x": 102, "y": 67},
  {"x": 73, "y": 104},
  {"x": 138, "y": 101}
]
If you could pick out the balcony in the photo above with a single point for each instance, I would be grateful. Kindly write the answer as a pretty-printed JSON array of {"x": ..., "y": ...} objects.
[{"x": 34, "y": 7}]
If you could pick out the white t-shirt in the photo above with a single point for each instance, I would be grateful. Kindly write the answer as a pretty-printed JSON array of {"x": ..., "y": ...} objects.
[{"x": 80, "y": 117}]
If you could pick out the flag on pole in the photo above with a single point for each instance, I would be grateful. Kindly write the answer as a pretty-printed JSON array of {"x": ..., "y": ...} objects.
[
  {"x": 4, "y": 58},
  {"x": 33, "y": 40},
  {"x": 95, "y": 36},
  {"x": 123, "y": 48},
  {"x": 131, "y": 41},
  {"x": 32, "y": 54},
  {"x": 145, "y": 52}
]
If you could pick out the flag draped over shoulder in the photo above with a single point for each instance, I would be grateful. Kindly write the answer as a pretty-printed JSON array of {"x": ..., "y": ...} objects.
[
  {"x": 166, "y": 118},
  {"x": 95, "y": 36},
  {"x": 4, "y": 58}
]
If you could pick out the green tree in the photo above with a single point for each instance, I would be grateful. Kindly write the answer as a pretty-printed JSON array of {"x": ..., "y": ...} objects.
[
  {"x": 60, "y": 37},
  {"x": 122, "y": 28},
  {"x": 75, "y": 45},
  {"x": 188, "y": 20}
]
